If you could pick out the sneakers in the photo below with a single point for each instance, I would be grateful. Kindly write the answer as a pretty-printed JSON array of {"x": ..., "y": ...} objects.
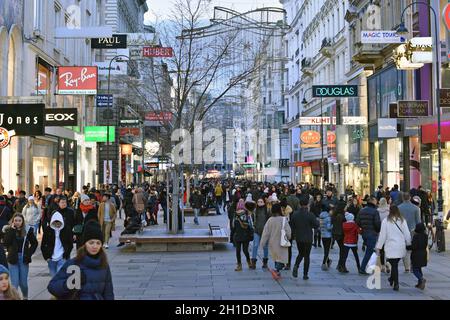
[
  {"x": 329, "y": 263},
  {"x": 238, "y": 267}
]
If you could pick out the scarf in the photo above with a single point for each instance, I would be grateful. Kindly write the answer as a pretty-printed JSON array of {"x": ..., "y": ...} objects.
[{"x": 86, "y": 209}]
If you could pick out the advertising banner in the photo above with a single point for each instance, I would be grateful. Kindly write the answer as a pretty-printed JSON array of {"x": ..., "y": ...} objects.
[
  {"x": 130, "y": 132},
  {"x": 43, "y": 81},
  {"x": 24, "y": 119},
  {"x": 77, "y": 80}
]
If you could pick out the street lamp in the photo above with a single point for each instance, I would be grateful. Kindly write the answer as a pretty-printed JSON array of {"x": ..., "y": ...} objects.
[
  {"x": 304, "y": 102},
  {"x": 402, "y": 30},
  {"x": 108, "y": 169}
]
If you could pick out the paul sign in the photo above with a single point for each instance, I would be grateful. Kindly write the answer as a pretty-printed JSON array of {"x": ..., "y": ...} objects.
[
  {"x": 335, "y": 91},
  {"x": 117, "y": 41}
]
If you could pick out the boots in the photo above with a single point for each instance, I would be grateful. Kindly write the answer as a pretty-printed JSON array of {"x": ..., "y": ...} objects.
[
  {"x": 253, "y": 264},
  {"x": 295, "y": 271},
  {"x": 265, "y": 261},
  {"x": 238, "y": 267},
  {"x": 250, "y": 264}
]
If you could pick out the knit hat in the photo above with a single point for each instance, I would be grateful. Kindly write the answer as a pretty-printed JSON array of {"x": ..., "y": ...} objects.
[
  {"x": 84, "y": 197},
  {"x": 349, "y": 216},
  {"x": 30, "y": 198},
  {"x": 3, "y": 269},
  {"x": 240, "y": 205},
  {"x": 249, "y": 198},
  {"x": 92, "y": 230},
  {"x": 273, "y": 198}
]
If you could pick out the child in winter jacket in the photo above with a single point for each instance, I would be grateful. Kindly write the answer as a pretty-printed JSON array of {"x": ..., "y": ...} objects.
[
  {"x": 419, "y": 254},
  {"x": 351, "y": 232},
  {"x": 325, "y": 231}
]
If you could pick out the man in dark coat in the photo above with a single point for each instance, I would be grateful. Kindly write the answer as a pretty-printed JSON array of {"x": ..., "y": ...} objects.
[
  {"x": 67, "y": 213},
  {"x": 302, "y": 224},
  {"x": 369, "y": 221},
  {"x": 5, "y": 213}
]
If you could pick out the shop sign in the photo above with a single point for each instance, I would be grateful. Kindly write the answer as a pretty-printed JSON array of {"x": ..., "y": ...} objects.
[
  {"x": 339, "y": 91},
  {"x": 444, "y": 98},
  {"x": 67, "y": 117},
  {"x": 98, "y": 134},
  {"x": 387, "y": 128},
  {"x": 302, "y": 164},
  {"x": 393, "y": 110},
  {"x": 316, "y": 168},
  {"x": 77, "y": 80},
  {"x": 157, "y": 52},
  {"x": 117, "y": 68},
  {"x": 104, "y": 100},
  {"x": 382, "y": 37},
  {"x": 5, "y": 137},
  {"x": 420, "y": 49},
  {"x": 130, "y": 132},
  {"x": 129, "y": 121},
  {"x": 310, "y": 139},
  {"x": 412, "y": 109},
  {"x": 140, "y": 39},
  {"x": 24, "y": 119},
  {"x": 249, "y": 165},
  {"x": 346, "y": 121},
  {"x": 44, "y": 76},
  {"x": 158, "y": 116},
  {"x": 152, "y": 165},
  {"x": 446, "y": 16},
  {"x": 127, "y": 149},
  {"x": 283, "y": 163},
  {"x": 117, "y": 41}
]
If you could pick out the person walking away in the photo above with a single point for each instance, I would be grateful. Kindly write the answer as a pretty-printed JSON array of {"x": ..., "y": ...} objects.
[
  {"x": 316, "y": 208},
  {"x": 287, "y": 212},
  {"x": 260, "y": 219},
  {"x": 5, "y": 213},
  {"x": 369, "y": 221},
  {"x": 218, "y": 194},
  {"x": 303, "y": 223},
  {"x": 351, "y": 233},
  {"x": 196, "y": 200},
  {"x": 21, "y": 244},
  {"x": 411, "y": 214},
  {"x": 7, "y": 290},
  {"x": 395, "y": 195},
  {"x": 337, "y": 219},
  {"x": 242, "y": 235},
  {"x": 272, "y": 236},
  {"x": 395, "y": 237},
  {"x": 32, "y": 214},
  {"x": 57, "y": 244},
  {"x": 383, "y": 211},
  {"x": 96, "y": 279},
  {"x": 326, "y": 228},
  {"x": 292, "y": 200},
  {"x": 139, "y": 203},
  {"x": 107, "y": 217},
  {"x": 419, "y": 254}
]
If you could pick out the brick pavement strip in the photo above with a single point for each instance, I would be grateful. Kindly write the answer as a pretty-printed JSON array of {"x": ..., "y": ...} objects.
[{"x": 211, "y": 276}]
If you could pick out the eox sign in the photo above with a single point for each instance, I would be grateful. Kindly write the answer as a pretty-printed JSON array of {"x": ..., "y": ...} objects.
[{"x": 338, "y": 91}]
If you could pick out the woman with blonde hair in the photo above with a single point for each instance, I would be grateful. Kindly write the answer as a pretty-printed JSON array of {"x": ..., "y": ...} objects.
[{"x": 7, "y": 291}]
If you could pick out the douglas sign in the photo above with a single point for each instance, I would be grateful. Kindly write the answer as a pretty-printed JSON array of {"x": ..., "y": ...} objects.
[{"x": 335, "y": 91}]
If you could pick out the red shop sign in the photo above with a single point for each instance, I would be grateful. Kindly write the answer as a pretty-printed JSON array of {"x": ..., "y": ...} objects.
[
  {"x": 158, "y": 116},
  {"x": 157, "y": 52},
  {"x": 302, "y": 164},
  {"x": 130, "y": 131},
  {"x": 430, "y": 131},
  {"x": 310, "y": 137},
  {"x": 77, "y": 80},
  {"x": 315, "y": 166}
]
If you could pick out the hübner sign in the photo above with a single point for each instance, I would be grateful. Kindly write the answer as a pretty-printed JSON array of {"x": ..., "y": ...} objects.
[{"x": 388, "y": 36}]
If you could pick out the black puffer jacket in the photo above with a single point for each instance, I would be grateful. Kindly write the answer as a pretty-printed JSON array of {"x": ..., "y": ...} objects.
[
  {"x": 419, "y": 247},
  {"x": 243, "y": 229},
  {"x": 12, "y": 245},
  {"x": 260, "y": 219},
  {"x": 369, "y": 220},
  {"x": 337, "y": 220},
  {"x": 302, "y": 223}
]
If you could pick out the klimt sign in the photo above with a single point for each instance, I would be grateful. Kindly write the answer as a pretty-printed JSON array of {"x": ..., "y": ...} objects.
[{"x": 341, "y": 91}]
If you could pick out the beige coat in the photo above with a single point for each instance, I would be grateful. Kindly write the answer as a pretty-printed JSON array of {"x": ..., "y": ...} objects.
[
  {"x": 139, "y": 201},
  {"x": 272, "y": 236},
  {"x": 112, "y": 214}
]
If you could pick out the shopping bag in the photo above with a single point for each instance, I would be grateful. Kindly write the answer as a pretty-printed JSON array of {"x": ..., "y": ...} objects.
[{"x": 372, "y": 263}]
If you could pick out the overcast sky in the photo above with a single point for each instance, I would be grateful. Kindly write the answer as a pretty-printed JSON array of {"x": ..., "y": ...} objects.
[{"x": 162, "y": 7}]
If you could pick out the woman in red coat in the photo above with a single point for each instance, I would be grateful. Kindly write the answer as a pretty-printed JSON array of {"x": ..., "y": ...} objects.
[{"x": 351, "y": 233}]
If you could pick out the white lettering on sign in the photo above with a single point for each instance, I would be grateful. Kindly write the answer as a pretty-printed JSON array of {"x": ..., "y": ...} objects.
[
  {"x": 381, "y": 37},
  {"x": 17, "y": 120},
  {"x": 70, "y": 82},
  {"x": 59, "y": 117}
]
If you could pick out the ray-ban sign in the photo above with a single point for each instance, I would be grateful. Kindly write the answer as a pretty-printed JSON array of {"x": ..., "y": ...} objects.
[
  {"x": 117, "y": 41},
  {"x": 341, "y": 91}
]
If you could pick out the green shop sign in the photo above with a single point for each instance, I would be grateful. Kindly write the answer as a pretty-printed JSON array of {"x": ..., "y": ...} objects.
[
  {"x": 335, "y": 91},
  {"x": 98, "y": 134}
]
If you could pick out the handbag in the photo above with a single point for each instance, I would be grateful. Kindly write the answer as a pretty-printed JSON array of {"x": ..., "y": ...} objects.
[{"x": 285, "y": 243}]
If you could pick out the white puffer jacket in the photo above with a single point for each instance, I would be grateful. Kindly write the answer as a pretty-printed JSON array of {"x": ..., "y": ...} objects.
[
  {"x": 32, "y": 215},
  {"x": 395, "y": 239}
]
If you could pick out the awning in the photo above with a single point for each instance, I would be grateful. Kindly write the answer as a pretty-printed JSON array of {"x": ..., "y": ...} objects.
[{"x": 430, "y": 132}]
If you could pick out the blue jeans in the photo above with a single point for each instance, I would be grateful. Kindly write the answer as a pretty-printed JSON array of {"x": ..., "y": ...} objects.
[
  {"x": 370, "y": 241},
  {"x": 256, "y": 241},
  {"x": 218, "y": 205},
  {"x": 418, "y": 273},
  {"x": 35, "y": 228},
  {"x": 54, "y": 266},
  {"x": 19, "y": 276},
  {"x": 196, "y": 212}
]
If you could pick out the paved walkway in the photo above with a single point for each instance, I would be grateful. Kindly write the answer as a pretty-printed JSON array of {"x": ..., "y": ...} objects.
[{"x": 211, "y": 276}]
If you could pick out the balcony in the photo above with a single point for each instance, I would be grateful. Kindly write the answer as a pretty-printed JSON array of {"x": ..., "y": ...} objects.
[
  {"x": 327, "y": 47},
  {"x": 368, "y": 53},
  {"x": 306, "y": 66}
]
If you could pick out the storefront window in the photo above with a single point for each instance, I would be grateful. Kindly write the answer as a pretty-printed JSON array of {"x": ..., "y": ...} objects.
[{"x": 44, "y": 163}]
